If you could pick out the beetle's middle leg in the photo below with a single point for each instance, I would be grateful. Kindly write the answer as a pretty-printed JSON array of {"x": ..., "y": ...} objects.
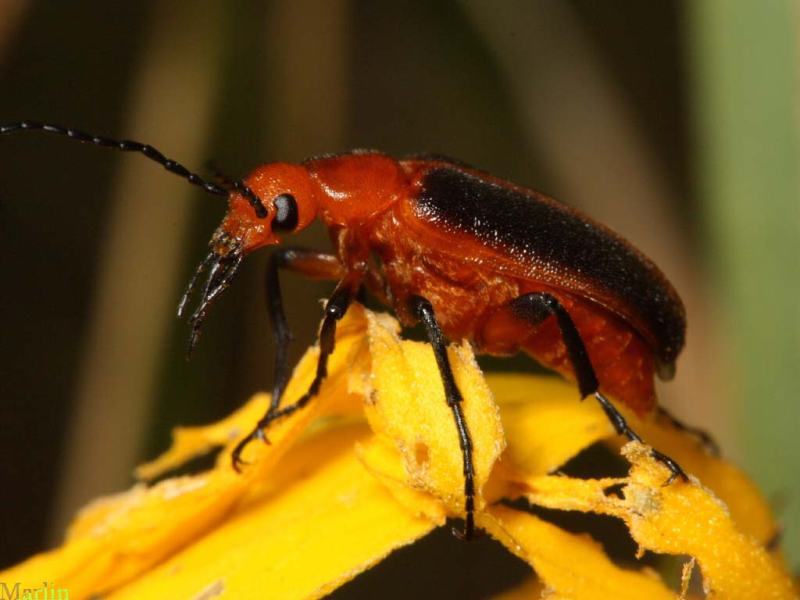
[
  {"x": 423, "y": 310},
  {"x": 535, "y": 308}
]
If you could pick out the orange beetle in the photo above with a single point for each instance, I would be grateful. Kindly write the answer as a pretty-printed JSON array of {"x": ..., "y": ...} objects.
[{"x": 467, "y": 254}]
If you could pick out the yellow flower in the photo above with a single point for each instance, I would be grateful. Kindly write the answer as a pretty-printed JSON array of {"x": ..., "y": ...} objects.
[{"x": 333, "y": 494}]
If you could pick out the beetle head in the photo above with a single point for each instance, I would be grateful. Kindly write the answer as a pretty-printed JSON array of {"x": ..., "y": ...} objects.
[
  {"x": 275, "y": 198},
  {"x": 286, "y": 194}
]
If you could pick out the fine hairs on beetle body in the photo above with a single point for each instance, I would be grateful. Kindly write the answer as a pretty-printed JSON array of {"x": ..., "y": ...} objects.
[{"x": 466, "y": 254}]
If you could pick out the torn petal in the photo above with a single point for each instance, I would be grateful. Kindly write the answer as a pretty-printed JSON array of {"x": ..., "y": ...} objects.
[
  {"x": 680, "y": 518},
  {"x": 747, "y": 505},
  {"x": 689, "y": 519}
]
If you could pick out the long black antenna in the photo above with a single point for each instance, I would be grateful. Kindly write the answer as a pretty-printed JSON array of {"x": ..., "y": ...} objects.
[{"x": 146, "y": 149}]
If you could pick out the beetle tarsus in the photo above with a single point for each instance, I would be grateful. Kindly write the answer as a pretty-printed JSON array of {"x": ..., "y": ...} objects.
[
  {"x": 622, "y": 428},
  {"x": 469, "y": 532},
  {"x": 259, "y": 434},
  {"x": 675, "y": 469}
]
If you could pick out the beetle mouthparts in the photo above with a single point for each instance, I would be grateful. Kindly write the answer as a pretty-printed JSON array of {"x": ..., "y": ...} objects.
[{"x": 222, "y": 268}]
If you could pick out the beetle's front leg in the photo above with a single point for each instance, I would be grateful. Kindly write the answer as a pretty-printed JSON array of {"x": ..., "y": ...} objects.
[
  {"x": 312, "y": 264},
  {"x": 535, "y": 308},
  {"x": 423, "y": 310},
  {"x": 335, "y": 309}
]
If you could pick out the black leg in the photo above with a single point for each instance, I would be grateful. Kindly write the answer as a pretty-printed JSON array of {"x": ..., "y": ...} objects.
[
  {"x": 335, "y": 309},
  {"x": 705, "y": 439},
  {"x": 423, "y": 310},
  {"x": 536, "y": 307},
  {"x": 308, "y": 262}
]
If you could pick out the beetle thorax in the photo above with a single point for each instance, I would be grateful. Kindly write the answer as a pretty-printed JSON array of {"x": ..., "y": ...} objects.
[{"x": 353, "y": 187}]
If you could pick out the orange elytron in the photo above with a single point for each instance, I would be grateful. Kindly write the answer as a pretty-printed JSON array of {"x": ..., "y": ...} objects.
[{"x": 467, "y": 254}]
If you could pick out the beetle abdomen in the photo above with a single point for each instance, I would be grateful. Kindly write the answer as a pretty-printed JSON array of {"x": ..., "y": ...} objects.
[{"x": 556, "y": 245}]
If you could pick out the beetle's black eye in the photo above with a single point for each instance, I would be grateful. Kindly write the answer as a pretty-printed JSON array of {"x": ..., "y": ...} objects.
[{"x": 285, "y": 213}]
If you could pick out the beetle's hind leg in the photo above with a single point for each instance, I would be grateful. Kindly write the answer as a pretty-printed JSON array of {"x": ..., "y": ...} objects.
[
  {"x": 312, "y": 264},
  {"x": 423, "y": 310},
  {"x": 538, "y": 306}
]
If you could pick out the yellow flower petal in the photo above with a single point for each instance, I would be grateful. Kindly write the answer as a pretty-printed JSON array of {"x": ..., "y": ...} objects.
[
  {"x": 326, "y": 498},
  {"x": 573, "y": 566},
  {"x": 322, "y": 523},
  {"x": 546, "y": 426},
  {"x": 190, "y": 442},
  {"x": 749, "y": 509},
  {"x": 118, "y": 538},
  {"x": 681, "y": 518},
  {"x": 545, "y": 423},
  {"x": 406, "y": 403},
  {"x": 381, "y": 458},
  {"x": 351, "y": 349},
  {"x": 125, "y": 535},
  {"x": 688, "y": 519}
]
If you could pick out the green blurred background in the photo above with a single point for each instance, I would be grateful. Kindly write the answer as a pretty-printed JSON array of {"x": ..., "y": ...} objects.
[{"x": 676, "y": 123}]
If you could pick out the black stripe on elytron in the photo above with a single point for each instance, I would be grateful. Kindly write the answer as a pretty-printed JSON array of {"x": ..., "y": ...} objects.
[{"x": 549, "y": 237}]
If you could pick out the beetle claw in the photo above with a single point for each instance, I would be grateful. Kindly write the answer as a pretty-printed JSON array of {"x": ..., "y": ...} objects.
[
  {"x": 675, "y": 469},
  {"x": 236, "y": 455},
  {"x": 469, "y": 532},
  {"x": 260, "y": 435}
]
